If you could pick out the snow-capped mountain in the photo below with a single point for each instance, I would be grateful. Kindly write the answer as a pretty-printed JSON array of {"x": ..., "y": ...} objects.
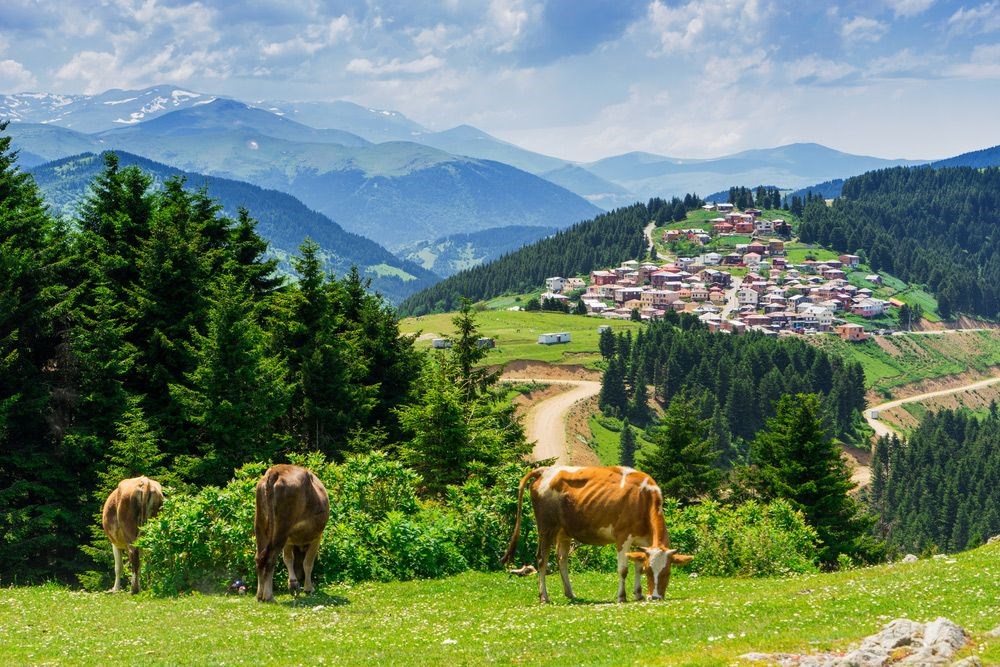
[{"x": 96, "y": 113}]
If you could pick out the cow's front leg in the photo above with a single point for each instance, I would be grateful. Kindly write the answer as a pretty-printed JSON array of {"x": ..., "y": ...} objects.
[
  {"x": 563, "y": 547},
  {"x": 288, "y": 555},
  {"x": 307, "y": 565},
  {"x": 638, "y": 582},
  {"x": 622, "y": 571},
  {"x": 118, "y": 569}
]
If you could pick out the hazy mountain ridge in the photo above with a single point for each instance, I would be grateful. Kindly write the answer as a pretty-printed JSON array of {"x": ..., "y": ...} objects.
[
  {"x": 451, "y": 254},
  {"x": 283, "y": 220}
]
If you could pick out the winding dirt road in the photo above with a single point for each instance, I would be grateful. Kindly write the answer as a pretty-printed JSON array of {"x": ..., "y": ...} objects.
[
  {"x": 545, "y": 422},
  {"x": 881, "y": 428}
]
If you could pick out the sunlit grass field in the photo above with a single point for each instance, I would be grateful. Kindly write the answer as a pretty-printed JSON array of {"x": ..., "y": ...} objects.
[
  {"x": 494, "y": 619},
  {"x": 516, "y": 334}
]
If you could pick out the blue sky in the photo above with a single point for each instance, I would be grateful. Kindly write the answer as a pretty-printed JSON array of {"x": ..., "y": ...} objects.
[{"x": 579, "y": 79}]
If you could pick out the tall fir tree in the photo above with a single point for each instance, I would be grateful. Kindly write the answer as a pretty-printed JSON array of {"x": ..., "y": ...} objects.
[{"x": 684, "y": 459}]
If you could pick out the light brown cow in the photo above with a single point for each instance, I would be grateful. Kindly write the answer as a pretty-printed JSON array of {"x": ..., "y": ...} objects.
[
  {"x": 291, "y": 513},
  {"x": 129, "y": 506},
  {"x": 614, "y": 505}
]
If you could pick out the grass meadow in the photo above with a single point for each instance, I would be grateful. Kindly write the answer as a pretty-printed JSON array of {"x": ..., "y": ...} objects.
[
  {"x": 516, "y": 334},
  {"x": 478, "y": 618}
]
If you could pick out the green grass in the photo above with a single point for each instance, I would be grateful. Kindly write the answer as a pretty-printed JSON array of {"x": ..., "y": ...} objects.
[
  {"x": 919, "y": 357},
  {"x": 494, "y": 619},
  {"x": 798, "y": 252},
  {"x": 516, "y": 334},
  {"x": 605, "y": 442}
]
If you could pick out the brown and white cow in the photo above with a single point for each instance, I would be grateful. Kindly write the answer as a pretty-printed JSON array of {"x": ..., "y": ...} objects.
[
  {"x": 614, "y": 505},
  {"x": 291, "y": 513},
  {"x": 129, "y": 506}
]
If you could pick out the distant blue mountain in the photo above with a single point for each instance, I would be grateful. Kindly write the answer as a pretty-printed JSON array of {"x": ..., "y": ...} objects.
[
  {"x": 987, "y": 157},
  {"x": 283, "y": 220}
]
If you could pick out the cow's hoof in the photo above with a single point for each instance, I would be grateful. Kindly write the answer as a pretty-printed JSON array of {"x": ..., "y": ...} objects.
[
  {"x": 640, "y": 598},
  {"x": 622, "y": 599}
]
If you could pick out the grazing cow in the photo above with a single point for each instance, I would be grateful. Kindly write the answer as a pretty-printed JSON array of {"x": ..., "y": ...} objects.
[
  {"x": 292, "y": 510},
  {"x": 599, "y": 506},
  {"x": 129, "y": 506}
]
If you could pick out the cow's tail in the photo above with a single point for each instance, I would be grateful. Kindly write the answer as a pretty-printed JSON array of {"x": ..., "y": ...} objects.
[
  {"x": 144, "y": 502},
  {"x": 527, "y": 479}
]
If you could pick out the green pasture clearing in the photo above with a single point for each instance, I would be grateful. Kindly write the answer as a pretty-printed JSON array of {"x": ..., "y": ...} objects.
[
  {"x": 798, "y": 252},
  {"x": 918, "y": 356},
  {"x": 477, "y": 618},
  {"x": 516, "y": 334},
  {"x": 605, "y": 441}
]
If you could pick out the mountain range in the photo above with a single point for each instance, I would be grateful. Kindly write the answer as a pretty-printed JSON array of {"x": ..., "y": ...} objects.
[
  {"x": 283, "y": 220},
  {"x": 382, "y": 175}
]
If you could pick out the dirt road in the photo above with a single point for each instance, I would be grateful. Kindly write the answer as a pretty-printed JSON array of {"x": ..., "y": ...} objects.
[
  {"x": 545, "y": 423},
  {"x": 881, "y": 428}
]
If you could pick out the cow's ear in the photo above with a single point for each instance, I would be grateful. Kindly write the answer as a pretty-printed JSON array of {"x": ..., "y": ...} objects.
[
  {"x": 680, "y": 559},
  {"x": 637, "y": 556}
]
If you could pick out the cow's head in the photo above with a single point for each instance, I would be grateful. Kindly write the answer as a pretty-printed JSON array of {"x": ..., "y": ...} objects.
[{"x": 656, "y": 562}]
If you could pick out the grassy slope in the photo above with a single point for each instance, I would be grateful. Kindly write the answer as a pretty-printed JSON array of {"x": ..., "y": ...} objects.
[
  {"x": 516, "y": 334},
  {"x": 917, "y": 357},
  {"x": 491, "y": 618}
]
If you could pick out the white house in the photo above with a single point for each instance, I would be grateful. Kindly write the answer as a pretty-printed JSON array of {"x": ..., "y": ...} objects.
[
  {"x": 553, "y": 338},
  {"x": 555, "y": 284}
]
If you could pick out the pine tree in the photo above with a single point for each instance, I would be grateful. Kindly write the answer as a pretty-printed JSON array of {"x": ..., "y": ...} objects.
[
  {"x": 684, "y": 459},
  {"x": 626, "y": 445},
  {"x": 793, "y": 458}
]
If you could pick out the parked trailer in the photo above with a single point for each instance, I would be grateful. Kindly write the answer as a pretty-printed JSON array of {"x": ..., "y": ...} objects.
[
  {"x": 554, "y": 338},
  {"x": 487, "y": 343},
  {"x": 441, "y": 343}
]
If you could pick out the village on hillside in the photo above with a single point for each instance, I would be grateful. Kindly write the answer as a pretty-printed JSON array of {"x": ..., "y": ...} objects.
[{"x": 754, "y": 287}]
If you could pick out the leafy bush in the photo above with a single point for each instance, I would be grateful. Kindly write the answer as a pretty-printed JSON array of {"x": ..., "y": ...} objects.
[
  {"x": 378, "y": 528},
  {"x": 747, "y": 540}
]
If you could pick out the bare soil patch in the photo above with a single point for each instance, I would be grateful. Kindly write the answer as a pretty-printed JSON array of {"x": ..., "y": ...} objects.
[
  {"x": 524, "y": 368},
  {"x": 523, "y": 402},
  {"x": 578, "y": 433}
]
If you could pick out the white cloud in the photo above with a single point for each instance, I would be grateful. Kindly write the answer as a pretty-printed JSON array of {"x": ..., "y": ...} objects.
[
  {"x": 706, "y": 23},
  {"x": 15, "y": 77},
  {"x": 315, "y": 38},
  {"x": 984, "y": 63},
  {"x": 815, "y": 70},
  {"x": 862, "y": 29},
  {"x": 395, "y": 66},
  {"x": 982, "y": 19},
  {"x": 98, "y": 71},
  {"x": 909, "y": 7},
  {"x": 508, "y": 22}
]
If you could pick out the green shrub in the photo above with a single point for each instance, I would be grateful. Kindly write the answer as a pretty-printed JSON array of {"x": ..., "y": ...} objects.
[{"x": 747, "y": 540}]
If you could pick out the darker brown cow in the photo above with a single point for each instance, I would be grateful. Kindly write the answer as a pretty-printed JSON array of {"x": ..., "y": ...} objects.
[
  {"x": 129, "y": 506},
  {"x": 292, "y": 510},
  {"x": 615, "y": 505}
]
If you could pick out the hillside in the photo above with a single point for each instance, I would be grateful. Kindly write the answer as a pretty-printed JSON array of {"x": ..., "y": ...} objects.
[
  {"x": 924, "y": 225},
  {"x": 607, "y": 239},
  {"x": 451, "y": 254},
  {"x": 375, "y": 125},
  {"x": 284, "y": 221},
  {"x": 473, "y": 617},
  {"x": 987, "y": 157}
]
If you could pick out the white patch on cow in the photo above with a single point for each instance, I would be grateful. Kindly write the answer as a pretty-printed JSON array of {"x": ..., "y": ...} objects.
[
  {"x": 625, "y": 473},
  {"x": 607, "y": 532},
  {"x": 549, "y": 475}
]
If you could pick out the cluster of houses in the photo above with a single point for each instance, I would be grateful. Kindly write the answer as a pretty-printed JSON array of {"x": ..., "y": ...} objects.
[{"x": 773, "y": 296}]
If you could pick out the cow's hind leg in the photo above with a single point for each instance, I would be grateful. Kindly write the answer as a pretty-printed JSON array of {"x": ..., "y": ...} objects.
[
  {"x": 288, "y": 555},
  {"x": 638, "y": 582},
  {"x": 133, "y": 562},
  {"x": 118, "y": 569},
  {"x": 564, "y": 545},
  {"x": 542, "y": 557},
  {"x": 307, "y": 565},
  {"x": 266, "y": 558}
]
